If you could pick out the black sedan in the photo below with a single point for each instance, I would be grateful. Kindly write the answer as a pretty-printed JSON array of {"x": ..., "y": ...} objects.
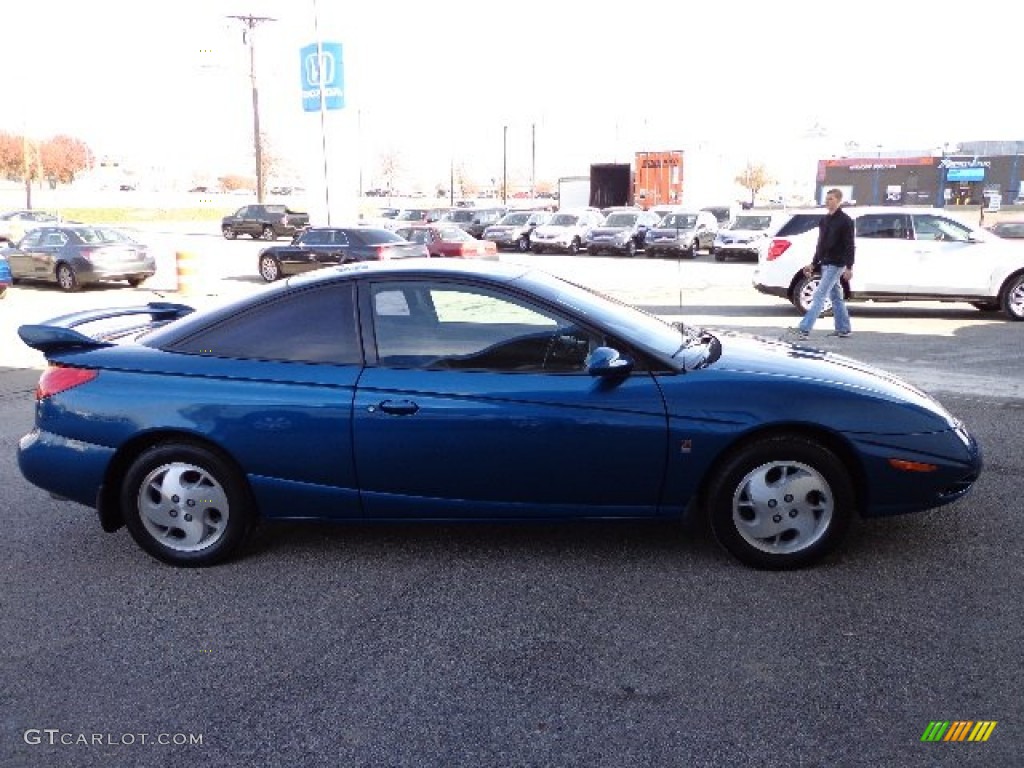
[
  {"x": 326, "y": 246},
  {"x": 1011, "y": 230}
]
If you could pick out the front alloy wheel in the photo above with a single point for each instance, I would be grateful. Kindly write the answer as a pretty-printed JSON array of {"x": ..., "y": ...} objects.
[
  {"x": 229, "y": 233},
  {"x": 185, "y": 505},
  {"x": 270, "y": 269},
  {"x": 523, "y": 244},
  {"x": 268, "y": 233},
  {"x": 781, "y": 502}
]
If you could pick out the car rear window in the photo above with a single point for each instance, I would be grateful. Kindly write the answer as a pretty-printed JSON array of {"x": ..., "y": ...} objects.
[
  {"x": 800, "y": 223},
  {"x": 375, "y": 236}
]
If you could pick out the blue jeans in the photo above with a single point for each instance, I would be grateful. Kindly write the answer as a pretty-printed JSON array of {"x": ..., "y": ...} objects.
[{"x": 831, "y": 288}]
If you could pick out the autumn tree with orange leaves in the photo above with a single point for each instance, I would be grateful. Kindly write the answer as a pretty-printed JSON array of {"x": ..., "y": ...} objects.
[{"x": 57, "y": 159}]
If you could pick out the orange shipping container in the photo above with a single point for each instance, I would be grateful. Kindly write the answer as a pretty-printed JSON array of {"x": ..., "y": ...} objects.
[{"x": 658, "y": 178}]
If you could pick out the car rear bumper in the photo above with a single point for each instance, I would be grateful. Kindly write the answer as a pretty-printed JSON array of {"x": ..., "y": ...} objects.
[{"x": 39, "y": 452}]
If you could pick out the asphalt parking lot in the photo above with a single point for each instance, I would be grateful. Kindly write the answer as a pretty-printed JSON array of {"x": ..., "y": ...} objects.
[{"x": 600, "y": 645}]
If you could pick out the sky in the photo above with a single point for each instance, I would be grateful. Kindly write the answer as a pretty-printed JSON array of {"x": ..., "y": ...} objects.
[{"x": 568, "y": 83}]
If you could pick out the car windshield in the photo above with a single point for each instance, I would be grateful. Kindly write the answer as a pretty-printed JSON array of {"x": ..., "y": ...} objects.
[
  {"x": 679, "y": 221},
  {"x": 751, "y": 222},
  {"x": 462, "y": 215},
  {"x": 620, "y": 220},
  {"x": 624, "y": 320},
  {"x": 563, "y": 220},
  {"x": 95, "y": 235},
  {"x": 375, "y": 236},
  {"x": 515, "y": 219}
]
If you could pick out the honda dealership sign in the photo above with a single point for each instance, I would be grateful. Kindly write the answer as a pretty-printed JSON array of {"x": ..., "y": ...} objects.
[{"x": 322, "y": 71}]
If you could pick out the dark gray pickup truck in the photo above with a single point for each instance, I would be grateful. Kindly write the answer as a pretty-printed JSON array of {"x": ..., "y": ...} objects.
[{"x": 268, "y": 222}]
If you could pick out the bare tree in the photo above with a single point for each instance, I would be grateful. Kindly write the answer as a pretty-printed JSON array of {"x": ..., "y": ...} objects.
[
  {"x": 754, "y": 178},
  {"x": 390, "y": 168}
]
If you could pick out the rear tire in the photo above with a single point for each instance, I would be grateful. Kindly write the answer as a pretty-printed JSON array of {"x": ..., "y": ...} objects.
[
  {"x": 185, "y": 505},
  {"x": 781, "y": 502},
  {"x": 574, "y": 247},
  {"x": 268, "y": 233},
  {"x": 67, "y": 279},
  {"x": 1013, "y": 298},
  {"x": 523, "y": 244},
  {"x": 803, "y": 295}
]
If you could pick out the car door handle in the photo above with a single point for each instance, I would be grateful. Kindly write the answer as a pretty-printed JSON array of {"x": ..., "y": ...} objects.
[{"x": 398, "y": 407}]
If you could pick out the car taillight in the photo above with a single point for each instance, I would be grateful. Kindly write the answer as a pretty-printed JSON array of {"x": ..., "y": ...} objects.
[
  {"x": 777, "y": 248},
  {"x": 60, "y": 378},
  {"x": 383, "y": 252},
  {"x": 87, "y": 253}
]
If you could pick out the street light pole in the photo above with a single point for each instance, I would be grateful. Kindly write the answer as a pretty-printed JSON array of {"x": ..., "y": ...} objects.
[
  {"x": 504, "y": 164},
  {"x": 249, "y": 25}
]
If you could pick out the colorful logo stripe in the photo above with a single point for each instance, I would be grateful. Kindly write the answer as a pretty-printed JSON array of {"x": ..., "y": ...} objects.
[{"x": 959, "y": 730}]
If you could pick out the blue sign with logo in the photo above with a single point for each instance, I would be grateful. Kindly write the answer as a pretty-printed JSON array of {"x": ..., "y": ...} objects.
[
  {"x": 965, "y": 174},
  {"x": 322, "y": 68}
]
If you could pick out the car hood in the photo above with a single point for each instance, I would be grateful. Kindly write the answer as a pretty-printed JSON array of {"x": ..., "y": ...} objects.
[
  {"x": 743, "y": 234},
  {"x": 609, "y": 230},
  {"x": 802, "y": 376},
  {"x": 550, "y": 230},
  {"x": 681, "y": 231}
]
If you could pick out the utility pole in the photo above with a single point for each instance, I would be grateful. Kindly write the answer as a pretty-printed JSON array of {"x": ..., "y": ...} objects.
[
  {"x": 248, "y": 38},
  {"x": 504, "y": 164}
]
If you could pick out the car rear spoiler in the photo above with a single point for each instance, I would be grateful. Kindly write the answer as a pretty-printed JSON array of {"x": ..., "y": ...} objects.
[{"x": 58, "y": 334}]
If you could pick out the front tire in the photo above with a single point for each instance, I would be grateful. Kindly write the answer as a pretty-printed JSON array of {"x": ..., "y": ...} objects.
[
  {"x": 270, "y": 268},
  {"x": 268, "y": 233},
  {"x": 67, "y": 279},
  {"x": 523, "y": 244},
  {"x": 185, "y": 505},
  {"x": 1013, "y": 298},
  {"x": 574, "y": 247},
  {"x": 229, "y": 233},
  {"x": 781, "y": 502}
]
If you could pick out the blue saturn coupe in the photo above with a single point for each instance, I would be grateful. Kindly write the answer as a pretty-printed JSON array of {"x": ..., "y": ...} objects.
[{"x": 449, "y": 391}]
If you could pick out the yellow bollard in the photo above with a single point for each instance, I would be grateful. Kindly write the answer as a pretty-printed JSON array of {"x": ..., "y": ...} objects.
[{"x": 188, "y": 272}]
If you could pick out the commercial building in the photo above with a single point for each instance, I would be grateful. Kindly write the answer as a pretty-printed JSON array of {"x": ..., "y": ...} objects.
[{"x": 979, "y": 172}]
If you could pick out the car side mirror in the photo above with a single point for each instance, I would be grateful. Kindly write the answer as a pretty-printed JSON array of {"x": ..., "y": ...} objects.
[{"x": 607, "y": 362}]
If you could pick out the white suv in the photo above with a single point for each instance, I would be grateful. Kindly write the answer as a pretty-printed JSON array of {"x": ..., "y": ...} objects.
[
  {"x": 566, "y": 231},
  {"x": 903, "y": 254}
]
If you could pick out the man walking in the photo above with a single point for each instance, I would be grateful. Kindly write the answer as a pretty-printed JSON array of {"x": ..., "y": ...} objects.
[{"x": 834, "y": 257}]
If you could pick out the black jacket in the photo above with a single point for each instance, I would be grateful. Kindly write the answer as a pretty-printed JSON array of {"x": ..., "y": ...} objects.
[{"x": 835, "y": 240}]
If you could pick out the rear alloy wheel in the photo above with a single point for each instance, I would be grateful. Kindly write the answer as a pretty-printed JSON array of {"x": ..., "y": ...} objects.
[
  {"x": 803, "y": 295},
  {"x": 268, "y": 233},
  {"x": 1013, "y": 298},
  {"x": 781, "y": 502},
  {"x": 185, "y": 505},
  {"x": 229, "y": 233},
  {"x": 66, "y": 278},
  {"x": 523, "y": 244},
  {"x": 574, "y": 247},
  {"x": 270, "y": 268},
  {"x": 631, "y": 248}
]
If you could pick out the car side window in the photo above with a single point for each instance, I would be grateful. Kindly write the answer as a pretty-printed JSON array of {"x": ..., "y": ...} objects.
[
  {"x": 443, "y": 326},
  {"x": 31, "y": 240},
  {"x": 891, "y": 226},
  {"x": 317, "y": 325},
  {"x": 316, "y": 238},
  {"x": 54, "y": 239},
  {"x": 931, "y": 227},
  {"x": 338, "y": 237}
]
